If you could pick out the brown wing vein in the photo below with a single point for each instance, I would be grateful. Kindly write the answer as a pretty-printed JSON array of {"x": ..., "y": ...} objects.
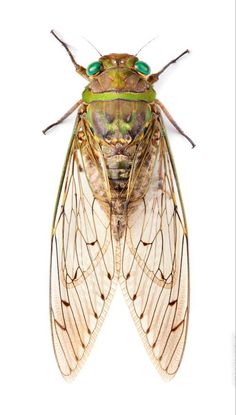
[
  {"x": 82, "y": 267},
  {"x": 155, "y": 265}
]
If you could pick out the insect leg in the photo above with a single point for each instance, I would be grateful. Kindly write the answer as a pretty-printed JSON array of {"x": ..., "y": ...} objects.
[
  {"x": 155, "y": 76},
  {"x": 173, "y": 122},
  {"x": 171, "y": 62},
  {"x": 80, "y": 69},
  {"x": 66, "y": 115}
]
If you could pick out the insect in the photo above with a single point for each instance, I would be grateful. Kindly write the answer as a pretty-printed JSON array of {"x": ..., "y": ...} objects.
[{"x": 119, "y": 218}]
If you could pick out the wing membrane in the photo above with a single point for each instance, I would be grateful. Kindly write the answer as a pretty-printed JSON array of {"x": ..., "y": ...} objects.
[
  {"x": 82, "y": 266},
  {"x": 155, "y": 277}
]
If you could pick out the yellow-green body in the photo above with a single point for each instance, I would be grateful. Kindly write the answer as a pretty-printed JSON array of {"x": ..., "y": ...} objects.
[{"x": 119, "y": 154}]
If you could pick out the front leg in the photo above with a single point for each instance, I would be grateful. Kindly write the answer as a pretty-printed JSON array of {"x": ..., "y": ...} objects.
[
  {"x": 155, "y": 76},
  {"x": 79, "y": 69}
]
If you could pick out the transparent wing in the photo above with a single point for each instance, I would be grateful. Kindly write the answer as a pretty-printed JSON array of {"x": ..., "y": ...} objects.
[
  {"x": 155, "y": 277},
  {"x": 82, "y": 266}
]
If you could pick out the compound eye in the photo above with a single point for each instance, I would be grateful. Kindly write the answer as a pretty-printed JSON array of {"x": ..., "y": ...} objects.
[
  {"x": 142, "y": 67},
  {"x": 93, "y": 68}
]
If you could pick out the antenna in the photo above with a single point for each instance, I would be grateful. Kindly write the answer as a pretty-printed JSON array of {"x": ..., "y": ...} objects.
[
  {"x": 91, "y": 44},
  {"x": 154, "y": 38}
]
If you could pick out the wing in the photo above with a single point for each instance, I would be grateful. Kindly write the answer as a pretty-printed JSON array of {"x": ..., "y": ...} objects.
[
  {"x": 82, "y": 265},
  {"x": 155, "y": 277}
]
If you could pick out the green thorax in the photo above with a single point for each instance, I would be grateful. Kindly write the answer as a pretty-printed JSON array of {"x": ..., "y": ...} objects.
[
  {"x": 118, "y": 99},
  {"x": 119, "y": 80},
  {"x": 118, "y": 121},
  {"x": 89, "y": 96}
]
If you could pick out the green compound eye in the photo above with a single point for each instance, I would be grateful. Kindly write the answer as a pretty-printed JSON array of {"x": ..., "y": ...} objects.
[
  {"x": 142, "y": 67},
  {"x": 93, "y": 68}
]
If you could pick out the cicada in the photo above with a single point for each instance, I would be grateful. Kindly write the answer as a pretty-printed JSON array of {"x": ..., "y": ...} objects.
[{"x": 119, "y": 218}]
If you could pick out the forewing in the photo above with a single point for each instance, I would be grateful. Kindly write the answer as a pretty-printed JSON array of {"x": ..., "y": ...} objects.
[
  {"x": 155, "y": 277},
  {"x": 82, "y": 266}
]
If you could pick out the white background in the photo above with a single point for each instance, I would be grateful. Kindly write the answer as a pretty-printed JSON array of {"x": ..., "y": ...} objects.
[{"x": 38, "y": 84}]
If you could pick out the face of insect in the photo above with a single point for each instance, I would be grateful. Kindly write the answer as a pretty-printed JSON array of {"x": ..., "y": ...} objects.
[{"x": 118, "y": 97}]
